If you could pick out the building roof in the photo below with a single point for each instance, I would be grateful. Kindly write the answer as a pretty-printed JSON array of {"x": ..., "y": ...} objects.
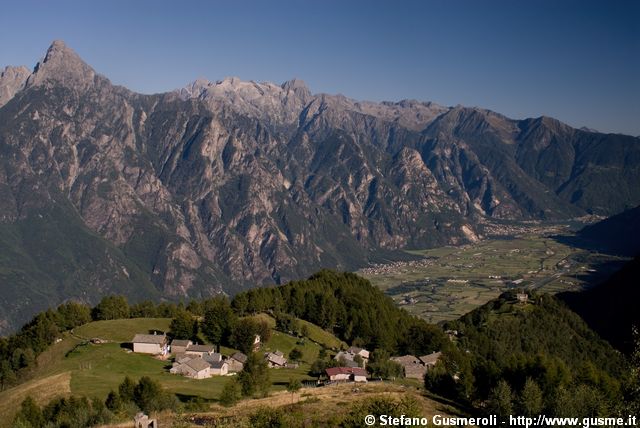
[
  {"x": 406, "y": 360},
  {"x": 210, "y": 358},
  {"x": 431, "y": 358},
  {"x": 180, "y": 342},
  {"x": 181, "y": 357},
  {"x": 350, "y": 363},
  {"x": 201, "y": 348},
  {"x": 356, "y": 371},
  {"x": 198, "y": 364},
  {"x": 218, "y": 364},
  {"x": 157, "y": 339},
  {"x": 240, "y": 357},
  {"x": 358, "y": 351},
  {"x": 347, "y": 356},
  {"x": 279, "y": 353},
  {"x": 275, "y": 359},
  {"x": 415, "y": 371}
]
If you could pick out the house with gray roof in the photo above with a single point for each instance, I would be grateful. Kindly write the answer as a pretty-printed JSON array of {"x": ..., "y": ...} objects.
[
  {"x": 155, "y": 344},
  {"x": 200, "y": 350},
  {"x": 179, "y": 346},
  {"x": 212, "y": 358},
  {"x": 275, "y": 359},
  {"x": 430, "y": 360},
  {"x": 236, "y": 362},
  {"x": 219, "y": 368}
]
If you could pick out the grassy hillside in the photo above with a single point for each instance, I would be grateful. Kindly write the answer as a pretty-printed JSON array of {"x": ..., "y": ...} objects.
[{"x": 74, "y": 366}]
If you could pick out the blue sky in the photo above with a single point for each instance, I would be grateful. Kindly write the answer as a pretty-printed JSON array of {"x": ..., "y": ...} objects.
[{"x": 578, "y": 61}]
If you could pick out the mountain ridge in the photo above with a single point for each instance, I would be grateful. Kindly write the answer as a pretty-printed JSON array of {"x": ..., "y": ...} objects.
[{"x": 225, "y": 186}]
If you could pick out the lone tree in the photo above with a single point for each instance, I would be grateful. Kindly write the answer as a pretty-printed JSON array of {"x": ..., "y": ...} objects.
[
  {"x": 501, "y": 400},
  {"x": 293, "y": 386},
  {"x": 231, "y": 393},
  {"x": 184, "y": 326},
  {"x": 531, "y": 400},
  {"x": 254, "y": 378},
  {"x": 295, "y": 354},
  {"x": 219, "y": 320},
  {"x": 146, "y": 394}
]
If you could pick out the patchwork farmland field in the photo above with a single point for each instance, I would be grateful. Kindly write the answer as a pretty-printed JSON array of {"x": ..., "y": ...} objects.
[{"x": 450, "y": 281}]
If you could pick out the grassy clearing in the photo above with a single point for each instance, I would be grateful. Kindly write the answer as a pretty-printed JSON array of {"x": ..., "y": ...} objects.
[
  {"x": 74, "y": 366},
  {"x": 122, "y": 330},
  {"x": 322, "y": 336}
]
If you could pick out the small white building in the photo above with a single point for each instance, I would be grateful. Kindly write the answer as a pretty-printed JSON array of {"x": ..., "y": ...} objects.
[
  {"x": 348, "y": 356},
  {"x": 150, "y": 344}
]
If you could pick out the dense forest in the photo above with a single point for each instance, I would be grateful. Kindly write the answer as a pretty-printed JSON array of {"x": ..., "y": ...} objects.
[
  {"x": 351, "y": 308},
  {"x": 532, "y": 357}
]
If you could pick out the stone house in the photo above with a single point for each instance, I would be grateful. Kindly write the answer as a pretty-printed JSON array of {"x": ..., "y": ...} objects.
[
  {"x": 179, "y": 346},
  {"x": 199, "y": 350},
  {"x": 150, "y": 344},
  {"x": 236, "y": 362},
  {"x": 346, "y": 374}
]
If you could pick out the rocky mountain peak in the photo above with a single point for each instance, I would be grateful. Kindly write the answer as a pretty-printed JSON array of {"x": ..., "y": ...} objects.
[
  {"x": 297, "y": 86},
  {"x": 12, "y": 81},
  {"x": 62, "y": 65}
]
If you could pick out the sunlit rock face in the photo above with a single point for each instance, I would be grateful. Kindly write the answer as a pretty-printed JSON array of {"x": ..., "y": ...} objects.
[{"x": 224, "y": 185}]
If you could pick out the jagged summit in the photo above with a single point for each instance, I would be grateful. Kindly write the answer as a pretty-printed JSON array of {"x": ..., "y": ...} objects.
[
  {"x": 62, "y": 64},
  {"x": 297, "y": 86},
  {"x": 253, "y": 183}
]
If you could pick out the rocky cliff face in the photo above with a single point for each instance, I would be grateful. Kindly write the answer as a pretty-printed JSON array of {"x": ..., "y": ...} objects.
[{"x": 220, "y": 186}]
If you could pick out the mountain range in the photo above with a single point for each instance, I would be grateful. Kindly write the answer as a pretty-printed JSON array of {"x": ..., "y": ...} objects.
[{"x": 220, "y": 186}]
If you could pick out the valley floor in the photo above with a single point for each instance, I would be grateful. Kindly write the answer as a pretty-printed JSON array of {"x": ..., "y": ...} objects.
[{"x": 451, "y": 281}]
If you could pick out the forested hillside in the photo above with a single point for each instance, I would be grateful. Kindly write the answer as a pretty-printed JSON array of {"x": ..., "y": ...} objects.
[
  {"x": 533, "y": 357},
  {"x": 352, "y": 308}
]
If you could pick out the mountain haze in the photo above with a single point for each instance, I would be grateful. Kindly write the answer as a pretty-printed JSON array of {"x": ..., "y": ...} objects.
[{"x": 224, "y": 185}]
